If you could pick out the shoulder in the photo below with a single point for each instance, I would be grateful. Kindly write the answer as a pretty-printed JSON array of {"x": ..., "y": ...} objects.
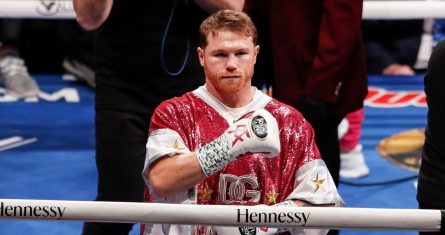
[
  {"x": 176, "y": 104},
  {"x": 173, "y": 111},
  {"x": 282, "y": 111}
]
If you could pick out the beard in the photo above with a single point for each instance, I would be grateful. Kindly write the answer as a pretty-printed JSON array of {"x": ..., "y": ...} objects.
[{"x": 229, "y": 83}]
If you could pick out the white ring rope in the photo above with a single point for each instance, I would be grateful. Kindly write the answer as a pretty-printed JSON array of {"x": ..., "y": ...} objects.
[
  {"x": 48, "y": 9},
  {"x": 383, "y": 9},
  {"x": 255, "y": 216},
  {"x": 403, "y": 9}
]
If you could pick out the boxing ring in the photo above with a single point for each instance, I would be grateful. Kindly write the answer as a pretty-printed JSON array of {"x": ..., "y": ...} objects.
[
  {"x": 75, "y": 166},
  {"x": 332, "y": 218},
  {"x": 63, "y": 9},
  {"x": 257, "y": 216}
]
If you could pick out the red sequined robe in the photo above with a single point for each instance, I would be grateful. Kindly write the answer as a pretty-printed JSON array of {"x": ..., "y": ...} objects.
[{"x": 185, "y": 124}]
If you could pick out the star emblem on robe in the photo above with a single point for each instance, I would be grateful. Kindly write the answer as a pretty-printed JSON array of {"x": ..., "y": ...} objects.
[
  {"x": 205, "y": 194},
  {"x": 318, "y": 183},
  {"x": 272, "y": 195}
]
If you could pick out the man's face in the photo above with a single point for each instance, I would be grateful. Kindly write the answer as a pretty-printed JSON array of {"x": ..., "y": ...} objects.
[{"x": 228, "y": 61}]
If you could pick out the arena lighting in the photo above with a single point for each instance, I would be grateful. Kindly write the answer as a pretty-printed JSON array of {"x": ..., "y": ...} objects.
[
  {"x": 372, "y": 9},
  {"x": 222, "y": 215}
]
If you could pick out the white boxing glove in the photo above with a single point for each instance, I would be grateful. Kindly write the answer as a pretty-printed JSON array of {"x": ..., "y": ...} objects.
[{"x": 257, "y": 133}]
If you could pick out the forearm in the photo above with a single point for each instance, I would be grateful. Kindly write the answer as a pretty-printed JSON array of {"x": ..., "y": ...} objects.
[
  {"x": 169, "y": 174},
  {"x": 174, "y": 174},
  {"x": 215, "y": 5},
  {"x": 90, "y": 14}
]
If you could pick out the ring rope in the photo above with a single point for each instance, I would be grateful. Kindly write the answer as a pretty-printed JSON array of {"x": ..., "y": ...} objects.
[
  {"x": 403, "y": 9},
  {"x": 256, "y": 216},
  {"x": 63, "y": 9}
]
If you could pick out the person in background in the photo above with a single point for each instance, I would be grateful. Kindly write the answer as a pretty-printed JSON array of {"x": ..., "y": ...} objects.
[
  {"x": 352, "y": 159},
  {"x": 143, "y": 55},
  {"x": 319, "y": 64},
  {"x": 78, "y": 59},
  {"x": 392, "y": 46},
  {"x": 228, "y": 143},
  {"x": 14, "y": 74},
  {"x": 431, "y": 183}
]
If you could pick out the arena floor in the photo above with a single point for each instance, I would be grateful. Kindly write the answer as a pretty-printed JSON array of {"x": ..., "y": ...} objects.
[{"x": 47, "y": 149}]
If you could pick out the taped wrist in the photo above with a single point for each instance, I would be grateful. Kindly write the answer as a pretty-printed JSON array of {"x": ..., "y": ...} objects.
[{"x": 215, "y": 155}]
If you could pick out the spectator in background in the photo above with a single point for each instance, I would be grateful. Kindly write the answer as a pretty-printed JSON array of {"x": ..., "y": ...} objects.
[
  {"x": 431, "y": 184},
  {"x": 79, "y": 53},
  {"x": 14, "y": 74},
  {"x": 144, "y": 55},
  {"x": 392, "y": 46},
  {"x": 319, "y": 64},
  {"x": 32, "y": 40},
  {"x": 352, "y": 159}
]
